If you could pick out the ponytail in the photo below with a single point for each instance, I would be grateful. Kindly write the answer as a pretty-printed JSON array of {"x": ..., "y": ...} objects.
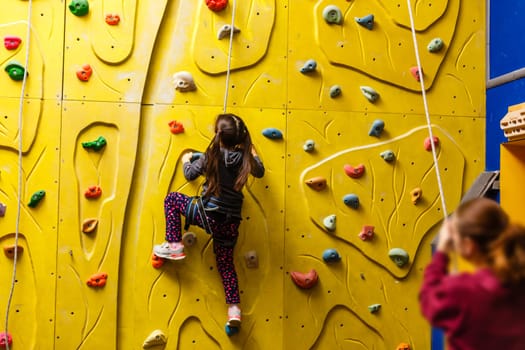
[{"x": 508, "y": 255}]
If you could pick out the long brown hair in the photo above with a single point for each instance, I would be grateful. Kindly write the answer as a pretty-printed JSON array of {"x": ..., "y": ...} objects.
[
  {"x": 230, "y": 133},
  {"x": 502, "y": 242}
]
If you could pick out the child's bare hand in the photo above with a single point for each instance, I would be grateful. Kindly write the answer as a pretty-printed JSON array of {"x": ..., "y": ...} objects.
[
  {"x": 186, "y": 157},
  {"x": 445, "y": 243}
]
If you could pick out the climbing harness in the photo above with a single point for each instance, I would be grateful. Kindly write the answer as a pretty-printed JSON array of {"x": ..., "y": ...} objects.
[
  {"x": 427, "y": 115},
  {"x": 228, "y": 70},
  {"x": 20, "y": 172},
  {"x": 204, "y": 207}
]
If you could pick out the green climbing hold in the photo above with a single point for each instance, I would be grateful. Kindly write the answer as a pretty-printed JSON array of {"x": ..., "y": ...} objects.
[
  {"x": 95, "y": 145},
  {"x": 15, "y": 70},
  {"x": 36, "y": 198},
  {"x": 399, "y": 256},
  {"x": 79, "y": 7}
]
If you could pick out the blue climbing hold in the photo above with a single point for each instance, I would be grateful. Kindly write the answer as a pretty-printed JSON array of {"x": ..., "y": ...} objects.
[
  {"x": 351, "y": 200},
  {"x": 231, "y": 330},
  {"x": 273, "y": 133},
  {"x": 366, "y": 21},
  {"x": 331, "y": 255},
  {"x": 377, "y": 128},
  {"x": 309, "y": 66}
]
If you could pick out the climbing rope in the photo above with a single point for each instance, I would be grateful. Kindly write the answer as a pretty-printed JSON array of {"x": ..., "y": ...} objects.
[
  {"x": 427, "y": 115},
  {"x": 229, "y": 58},
  {"x": 20, "y": 172}
]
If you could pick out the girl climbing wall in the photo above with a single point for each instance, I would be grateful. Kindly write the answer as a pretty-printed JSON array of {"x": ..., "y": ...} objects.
[{"x": 227, "y": 162}]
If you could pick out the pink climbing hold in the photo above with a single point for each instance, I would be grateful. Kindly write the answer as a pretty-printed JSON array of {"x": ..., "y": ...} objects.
[
  {"x": 354, "y": 172},
  {"x": 428, "y": 145},
  {"x": 12, "y": 42},
  {"x": 5, "y": 340},
  {"x": 415, "y": 73}
]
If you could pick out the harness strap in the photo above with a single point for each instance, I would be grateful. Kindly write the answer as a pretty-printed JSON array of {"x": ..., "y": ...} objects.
[{"x": 196, "y": 205}]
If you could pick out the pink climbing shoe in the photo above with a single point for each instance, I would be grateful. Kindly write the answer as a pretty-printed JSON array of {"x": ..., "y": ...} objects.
[
  {"x": 171, "y": 251},
  {"x": 234, "y": 316}
]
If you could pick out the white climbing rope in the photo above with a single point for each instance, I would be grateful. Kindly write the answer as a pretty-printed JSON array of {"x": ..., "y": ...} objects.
[
  {"x": 427, "y": 115},
  {"x": 20, "y": 170},
  {"x": 229, "y": 57}
]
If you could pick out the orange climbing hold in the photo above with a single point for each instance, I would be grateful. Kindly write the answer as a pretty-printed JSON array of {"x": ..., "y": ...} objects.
[
  {"x": 112, "y": 19},
  {"x": 156, "y": 261},
  {"x": 85, "y": 72},
  {"x": 403, "y": 346},
  {"x": 93, "y": 192},
  {"x": 317, "y": 183},
  {"x": 9, "y": 251},
  {"x": 97, "y": 280}
]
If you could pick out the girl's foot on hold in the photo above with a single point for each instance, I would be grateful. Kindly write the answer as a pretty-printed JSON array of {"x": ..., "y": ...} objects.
[
  {"x": 172, "y": 251},
  {"x": 234, "y": 316}
]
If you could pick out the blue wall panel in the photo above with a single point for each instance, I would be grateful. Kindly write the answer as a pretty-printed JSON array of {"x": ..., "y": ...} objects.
[{"x": 507, "y": 41}]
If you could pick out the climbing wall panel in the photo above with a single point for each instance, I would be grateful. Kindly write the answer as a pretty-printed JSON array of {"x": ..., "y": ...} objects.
[
  {"x": 101, "y": 97},
  {"x": 95, "y": 185},
  {"x": 258, "y": 64},
  {"x": 184, "y": 299},
  {"x": 110, "y": 62},
  {"x": 349, "y": 55},
  {"x": 45, "y": 48},
  {"x": 365, "y": 274},
  {"x": 32, "y": 309}
]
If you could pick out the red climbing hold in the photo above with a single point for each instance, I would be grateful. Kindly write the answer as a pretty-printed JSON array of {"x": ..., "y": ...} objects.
[
  {"x": 176, "y": 127},
  {"x": 305, "y": 280},
  {"x": 354, "y": 172},
  {"x": 12, "y": 42},
  {"x": 216, "y": 5},
  {"x": 428, "y": 145}
]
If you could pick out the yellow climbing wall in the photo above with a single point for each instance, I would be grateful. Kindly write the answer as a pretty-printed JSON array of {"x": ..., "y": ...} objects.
[{"x": 129, "y": 98}]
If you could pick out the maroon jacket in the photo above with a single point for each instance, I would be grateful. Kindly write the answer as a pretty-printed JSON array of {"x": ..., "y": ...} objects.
[{"x": 474, "y": 309}]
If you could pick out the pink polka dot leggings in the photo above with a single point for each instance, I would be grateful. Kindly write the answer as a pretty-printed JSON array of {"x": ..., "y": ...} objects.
[{"x": 175, "y": 205}]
